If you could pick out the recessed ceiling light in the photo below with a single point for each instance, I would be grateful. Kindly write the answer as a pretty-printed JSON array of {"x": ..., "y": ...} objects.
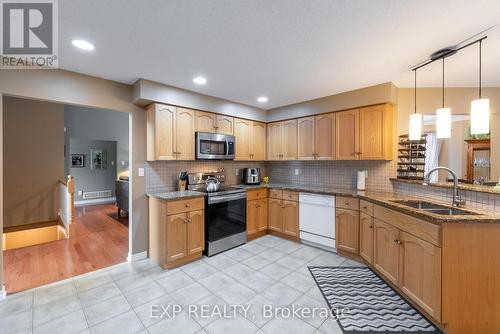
[
  {"x": 200, "y": 80},
  {"x": 262, "y": 99},
  {"x": 84, "y": 45}
]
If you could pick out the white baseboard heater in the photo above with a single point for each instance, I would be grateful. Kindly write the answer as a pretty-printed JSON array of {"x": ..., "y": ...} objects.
[{"x": 96, "y": 194}]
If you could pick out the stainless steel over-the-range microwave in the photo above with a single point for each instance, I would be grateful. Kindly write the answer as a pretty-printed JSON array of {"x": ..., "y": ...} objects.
[{"x": 214, "y": 146}]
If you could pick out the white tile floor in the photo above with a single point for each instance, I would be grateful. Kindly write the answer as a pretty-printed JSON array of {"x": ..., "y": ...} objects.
[{"x": 266, "y": 271}]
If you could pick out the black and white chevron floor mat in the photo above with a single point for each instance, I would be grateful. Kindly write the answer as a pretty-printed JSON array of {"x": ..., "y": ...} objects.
[{"x": 373, "y": 306}]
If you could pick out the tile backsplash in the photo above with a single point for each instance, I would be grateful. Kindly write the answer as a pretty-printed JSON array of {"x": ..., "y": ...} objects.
[
  {"x": 162, "y": 175},
  {"x": 342, "y": 174}
]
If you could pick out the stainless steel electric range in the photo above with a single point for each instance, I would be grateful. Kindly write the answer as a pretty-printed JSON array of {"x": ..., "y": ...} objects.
[{"x": 225, "y": 212}]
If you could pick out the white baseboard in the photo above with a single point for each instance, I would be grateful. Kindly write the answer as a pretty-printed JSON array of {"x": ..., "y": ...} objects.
[
  {"x": 137, "y": 256},
  {"x": 3, "y": 293},
  {"x": 95, "y": 201}
]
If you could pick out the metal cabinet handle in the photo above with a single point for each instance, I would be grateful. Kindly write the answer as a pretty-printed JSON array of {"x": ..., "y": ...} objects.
[
  {"x": 187, "y": 205},
  {"x": 397, "y": 241},
  {"x": 371, "y": 226}
]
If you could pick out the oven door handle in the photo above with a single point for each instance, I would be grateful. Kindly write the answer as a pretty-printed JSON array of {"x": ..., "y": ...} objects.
[{"x": 226, "y": 198}]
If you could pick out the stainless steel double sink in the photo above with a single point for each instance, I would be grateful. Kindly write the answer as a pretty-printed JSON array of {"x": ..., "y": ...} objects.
[{"x": 434, "y": 208}]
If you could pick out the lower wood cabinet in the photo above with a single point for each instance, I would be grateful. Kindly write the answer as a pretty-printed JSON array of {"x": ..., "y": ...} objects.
[
  {"x": 347, "y": 230},
  {"x": 256, "y": 216},
  {"x": 386, "y": 250},
  {"x": 420, "y": 273},
  {"x": 284, "y": 214},
  {"x": 366, "y": 237},
  {"x": 176, "y": 231}
]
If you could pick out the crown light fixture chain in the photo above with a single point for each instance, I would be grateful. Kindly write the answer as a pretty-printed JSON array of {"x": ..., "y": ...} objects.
[
  {"x": 443, "y": 116},
  {"x": 480, "y": 108}
]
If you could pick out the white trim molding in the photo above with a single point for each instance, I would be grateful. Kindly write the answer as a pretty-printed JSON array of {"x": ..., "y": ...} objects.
[
  {"x": 137, "y": 256},
  {"x": 3, "y": 293}
]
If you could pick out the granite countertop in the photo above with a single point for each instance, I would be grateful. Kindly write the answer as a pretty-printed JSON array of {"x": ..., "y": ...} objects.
[
  {"x": 175, "y": 195},
  {"x": 387, "y": 200}
]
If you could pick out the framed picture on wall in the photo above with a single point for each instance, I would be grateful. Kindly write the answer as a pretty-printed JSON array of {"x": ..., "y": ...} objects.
[
  {"x": 77, "y": 160},
  {"x": 98, "y": 159}
]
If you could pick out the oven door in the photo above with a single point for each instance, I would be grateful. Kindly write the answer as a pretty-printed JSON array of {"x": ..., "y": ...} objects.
[
  {"x": 214, "y": 146},
  {"x": 225, "y": 215}
]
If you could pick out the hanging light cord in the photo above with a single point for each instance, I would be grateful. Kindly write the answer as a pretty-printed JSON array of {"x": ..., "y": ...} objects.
[
  {"x": 480, "y": 46},
  {"x": 415, "y": 92},
  {"x": 442, "y": 99}
]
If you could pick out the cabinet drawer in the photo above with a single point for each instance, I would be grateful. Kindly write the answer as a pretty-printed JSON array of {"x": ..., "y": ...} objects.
[
  {"x": 290, "y": 195},
  {"x": 366, "y": 207},
  {"x": 420, "y": 228},
  {"x": 276, "y": 193},
  {"x": 175, "y": 207},
  {"x": 347, "y": 203},
  {"x": 256, "y": 194}
]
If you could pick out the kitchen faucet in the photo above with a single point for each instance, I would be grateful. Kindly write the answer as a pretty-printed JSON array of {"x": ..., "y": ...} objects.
[{"x": 457, "y": 201}]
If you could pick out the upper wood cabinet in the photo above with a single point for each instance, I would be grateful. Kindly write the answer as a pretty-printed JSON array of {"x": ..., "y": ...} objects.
[
  {"x": 170, "y": 133},
  {"x": 282, "y": 140},
  {"x": 210, "y": 122},
  {"x": 316, "y": 137},
  {"x": 250, "y": 139},
  {"x": 365, "y": 133}
]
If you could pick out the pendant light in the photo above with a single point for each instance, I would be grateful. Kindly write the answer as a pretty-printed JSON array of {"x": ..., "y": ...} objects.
[
  {"x": 480, "y": 109},
  {"x": 443, "y": 117},
  {"x": 416, "y": 120}
]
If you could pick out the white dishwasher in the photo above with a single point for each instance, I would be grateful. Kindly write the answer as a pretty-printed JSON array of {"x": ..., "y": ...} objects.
[{"x": 317, "y": 219}]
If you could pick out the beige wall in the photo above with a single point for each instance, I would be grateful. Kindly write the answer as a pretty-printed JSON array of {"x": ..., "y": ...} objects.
[
  {"x": 72, "y": 88},
  {"x": 33, "y": 148},
  {"x": 383, "y": 93},
  {"x": 146, "y": 92},
  {"x": 458, "y": 99}
]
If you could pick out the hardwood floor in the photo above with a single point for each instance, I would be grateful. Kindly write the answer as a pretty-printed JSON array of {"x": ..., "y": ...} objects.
[{"x": 97, "y": 241}]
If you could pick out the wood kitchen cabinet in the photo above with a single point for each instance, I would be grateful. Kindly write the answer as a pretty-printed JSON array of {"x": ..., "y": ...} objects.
[
  {"x": 170, "y": 133},
  {"x": 316, "y": 137},
  {"x": 176, "y": 231},
  {"x": 365, "y": 133},
  {"x": 366, "y": 237},
  {"x": 284, "y": 212},
  {"x": 386, "y": 250},
  {"x": 282, "y": 140},
  {"x": 347, "y": 230},
  {"x": 257, "y": 210},
  {"x": 420, "y": 273},
  {"x": 210, "y": 122},
  {"x": 250, "y": 140}
]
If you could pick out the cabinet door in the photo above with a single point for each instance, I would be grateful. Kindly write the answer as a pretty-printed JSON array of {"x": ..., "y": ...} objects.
[
  {"x": 289, "y": 140},
  {"x": 252, "y": 216},
  {"x": 420, "y": 273},
  {"x": 274, "y": 138},
  {"x": 366, "y": 237},
  {"x": 324, "y": 137},
  {"x": 176, "y": 237},
  {"x": 258, "y": 149},
  {"x": 347, "y": 135},
  {"x": 195, "y": 231},
  {"x": 290, "y": 218},
  {"x": 161, "y": 134},
  {"x": 243, "y": 135},
  {"x": 185, "y": 134},
  {"x": 347, "y": 230},
  {"x": 262, "y": 215},
  {"x": 371, "y": 133},
  {"x": 275, "y": 215},
  {"x": 386, "y": 250},
  {"x": 224, "y": 124},
  {"x": 305, "y": 138},
  {"x": 205, "y": 121}
]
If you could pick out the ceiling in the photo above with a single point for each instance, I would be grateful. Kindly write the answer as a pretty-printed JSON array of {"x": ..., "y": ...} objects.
[{"x": 288, "y": 50}]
